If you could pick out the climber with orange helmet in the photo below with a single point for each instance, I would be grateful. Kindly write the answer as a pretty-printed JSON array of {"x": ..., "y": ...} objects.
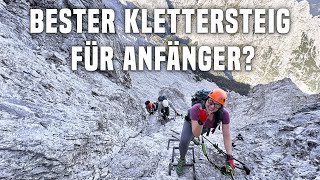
[
  {"x": 151, "y": 107},
  {"x": 201, "y": 117}
]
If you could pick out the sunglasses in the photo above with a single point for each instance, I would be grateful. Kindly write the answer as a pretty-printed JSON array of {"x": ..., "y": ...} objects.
[{"x": 212, "y": 102}]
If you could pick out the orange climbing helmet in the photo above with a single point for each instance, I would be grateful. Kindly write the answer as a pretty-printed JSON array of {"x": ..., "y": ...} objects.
[
  {"x": 150, "y": 105},
  {"x": 218, "y": 95}
]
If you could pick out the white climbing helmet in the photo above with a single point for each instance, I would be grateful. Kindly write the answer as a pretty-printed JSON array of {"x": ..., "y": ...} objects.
[{"x": 165, "y": 103}]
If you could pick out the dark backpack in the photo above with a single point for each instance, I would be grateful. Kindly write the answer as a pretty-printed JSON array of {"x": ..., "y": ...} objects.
[
  {"x": 200, "y": 97},
  {"x": 161, "y": 98}
]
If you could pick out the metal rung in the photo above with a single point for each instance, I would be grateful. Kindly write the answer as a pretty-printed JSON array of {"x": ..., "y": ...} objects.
[
  {"x": 171, "y": 164},
  {"x": 170, "y": 141}
]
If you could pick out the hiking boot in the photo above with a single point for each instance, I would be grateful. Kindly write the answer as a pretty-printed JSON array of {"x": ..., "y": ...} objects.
[
  {"x": 196, "y": 142},
  {"x": 180, "y": 166}
]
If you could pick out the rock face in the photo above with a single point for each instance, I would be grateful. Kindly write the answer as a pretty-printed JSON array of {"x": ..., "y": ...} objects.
[
  {"x": 314, "y": 7},
  {"x": 56, "y": 123},
  {"x": 281, "y": 133},
  {"x": 295, "y": 55}
]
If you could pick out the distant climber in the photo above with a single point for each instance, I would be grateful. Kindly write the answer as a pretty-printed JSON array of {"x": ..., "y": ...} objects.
[
  {"x": 163, "y": 108},
  {"x": 202, "y": 116},
  {"x": 151, "y": 107}
]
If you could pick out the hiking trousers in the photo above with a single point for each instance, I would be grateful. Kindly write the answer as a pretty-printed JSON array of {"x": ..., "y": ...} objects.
[{"x": 186, "y": 137}]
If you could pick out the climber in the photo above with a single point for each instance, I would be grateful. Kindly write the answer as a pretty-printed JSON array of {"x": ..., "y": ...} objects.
[
  {"x": 151, "y": 107},
  {"x": 201, "y": 117},
  {"x": 163, "y": 108}
]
